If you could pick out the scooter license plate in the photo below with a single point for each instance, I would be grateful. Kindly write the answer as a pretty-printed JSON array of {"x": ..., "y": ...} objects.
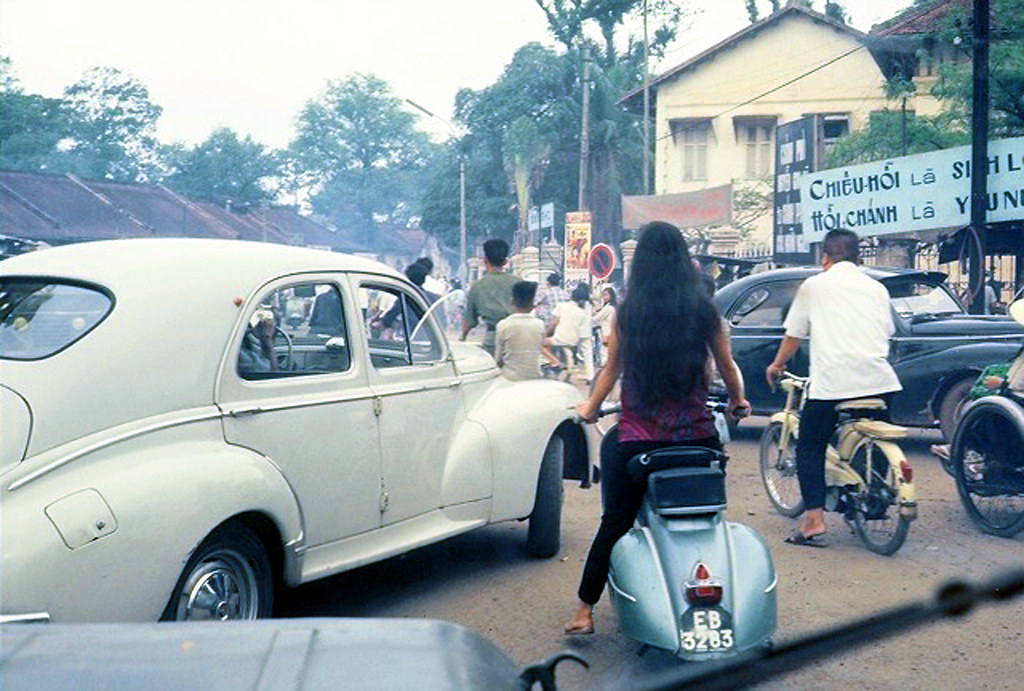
[{"x": 706, "y": 630}]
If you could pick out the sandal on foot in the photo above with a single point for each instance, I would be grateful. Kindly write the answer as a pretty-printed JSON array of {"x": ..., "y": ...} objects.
[
  {"x": 801, "y": 540},
  {"x": 571, "y": 630}
]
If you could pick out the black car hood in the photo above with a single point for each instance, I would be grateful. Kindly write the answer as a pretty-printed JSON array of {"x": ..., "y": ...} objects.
[{"x": 967, "y": 325}]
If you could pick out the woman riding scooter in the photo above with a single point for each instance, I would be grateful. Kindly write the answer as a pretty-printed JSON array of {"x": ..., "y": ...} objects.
[{"x": 659, "y": 342}]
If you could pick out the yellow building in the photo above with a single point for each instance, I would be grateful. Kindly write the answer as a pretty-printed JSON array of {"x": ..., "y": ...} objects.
[{"x": 715, "y": 114}]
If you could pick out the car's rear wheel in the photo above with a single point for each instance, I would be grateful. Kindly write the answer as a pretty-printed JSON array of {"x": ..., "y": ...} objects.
[
  {"x": 544, "y": 536},
  {"x": 228, "y": 577},
  {"x": 952, "y": 403}
]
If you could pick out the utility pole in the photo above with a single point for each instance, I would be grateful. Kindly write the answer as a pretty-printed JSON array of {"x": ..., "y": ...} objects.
[
  {"x": 585, "y": 132},
  {"x": 979, "y": 158},
  {"x": 645, "y": 125}
]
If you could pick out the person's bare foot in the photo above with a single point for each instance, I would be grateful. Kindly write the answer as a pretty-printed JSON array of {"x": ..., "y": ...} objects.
[
  {"x": 812, "y": 523},
  {"x": 582, "y": 622}
]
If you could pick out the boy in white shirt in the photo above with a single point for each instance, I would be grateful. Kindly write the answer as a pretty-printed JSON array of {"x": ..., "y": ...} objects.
[{"x": 519, "y": 337}]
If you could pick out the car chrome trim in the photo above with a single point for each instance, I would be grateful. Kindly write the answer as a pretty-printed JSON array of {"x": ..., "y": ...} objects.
[
  {"x": 110, "y": 441},
  {"x": 773, "y": 584},
  {"x": 970, "y": 338},
  {"x": 30, "y": 618}
]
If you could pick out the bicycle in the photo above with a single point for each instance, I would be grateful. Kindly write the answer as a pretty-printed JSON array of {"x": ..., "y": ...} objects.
[{"x": 875, "y": 495}]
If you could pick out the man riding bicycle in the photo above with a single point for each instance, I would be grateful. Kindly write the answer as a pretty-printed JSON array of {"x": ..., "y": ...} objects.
[{"x": 847, "y": 317}]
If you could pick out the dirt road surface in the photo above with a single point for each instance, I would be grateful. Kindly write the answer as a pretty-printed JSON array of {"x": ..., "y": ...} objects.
[{"x": 485, "y": 582}]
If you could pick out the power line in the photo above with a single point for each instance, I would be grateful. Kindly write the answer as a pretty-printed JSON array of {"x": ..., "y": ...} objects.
[{"x": 778, "y": 87}]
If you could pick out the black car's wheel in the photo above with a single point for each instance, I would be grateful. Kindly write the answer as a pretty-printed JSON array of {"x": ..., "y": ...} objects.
[
  {"x": 988, "y": 465},
  {"x": 544, "y": 536},
  {"x": 952, "y": 403},
  {"x": 228, "y": 577},
  {"x": 876, "y": 512},
  {"x": 778, "y": 471}
]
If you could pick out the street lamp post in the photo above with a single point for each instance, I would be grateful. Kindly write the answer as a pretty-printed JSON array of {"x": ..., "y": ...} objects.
[{"x": 462, "y": 184}]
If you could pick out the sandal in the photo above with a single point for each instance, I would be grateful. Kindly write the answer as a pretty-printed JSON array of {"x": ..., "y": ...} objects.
[{"x": 801, "y": 540}]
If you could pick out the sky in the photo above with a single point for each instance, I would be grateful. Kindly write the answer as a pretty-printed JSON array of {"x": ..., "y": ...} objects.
[{"x": 251, "y": 65}]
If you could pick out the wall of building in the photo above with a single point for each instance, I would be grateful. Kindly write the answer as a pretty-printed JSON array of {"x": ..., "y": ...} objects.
[{"x": 782, "y": 56}]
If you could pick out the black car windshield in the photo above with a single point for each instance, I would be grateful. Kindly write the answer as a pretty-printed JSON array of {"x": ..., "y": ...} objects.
[
  {"x": 40, "y": 318},
  {"x": 915, "y": 297}
]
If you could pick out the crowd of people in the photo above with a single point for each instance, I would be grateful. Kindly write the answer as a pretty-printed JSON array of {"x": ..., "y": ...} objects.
[{"x": 660, "y": 344}]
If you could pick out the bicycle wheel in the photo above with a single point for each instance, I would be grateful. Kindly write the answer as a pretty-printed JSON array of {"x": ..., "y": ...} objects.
[
  {"x": 778, "y": 471},
  {"x": 876, "y": 511},
  {"x": 988, "y": 465}
]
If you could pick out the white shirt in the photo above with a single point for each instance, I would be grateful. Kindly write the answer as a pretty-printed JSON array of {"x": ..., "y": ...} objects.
[
  {"x": 518, "y": 340},
  {"x": 573, "y": 323},
  {"x": 846, "y": 315}
]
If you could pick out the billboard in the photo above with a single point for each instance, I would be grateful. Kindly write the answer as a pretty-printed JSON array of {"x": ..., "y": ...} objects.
[
  {"x": 577, "y": 246},
  {"x": 795, "y": 147},
  {"x": 929, "y": 191}
]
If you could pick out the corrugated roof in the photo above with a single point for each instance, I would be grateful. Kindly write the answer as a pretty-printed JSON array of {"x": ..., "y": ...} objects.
[
  {"x": 68, "y": 209},
  {"x": 920, "y": 20}
]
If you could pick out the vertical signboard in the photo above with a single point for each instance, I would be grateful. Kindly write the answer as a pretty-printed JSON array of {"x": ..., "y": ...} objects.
[
  {"x": 794, "y": 156},
  {"x": 577, "y": 246}
]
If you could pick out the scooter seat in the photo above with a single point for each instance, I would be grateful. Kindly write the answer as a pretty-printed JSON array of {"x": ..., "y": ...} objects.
[
  {"x": 642, "y": 465},
  {"x": 879, "y": 429},
  {"x": 861, "y": 404}
]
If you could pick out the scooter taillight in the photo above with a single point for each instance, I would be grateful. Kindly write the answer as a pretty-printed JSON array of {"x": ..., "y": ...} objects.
[
  {"x": 906, "y": 471},
  {"x": 702, "y": 589}
]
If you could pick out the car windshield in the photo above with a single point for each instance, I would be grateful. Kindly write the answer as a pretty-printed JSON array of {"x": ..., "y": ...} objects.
[
  {"x": 40, "y": 318},
  {"x": 916, "y": 297}
]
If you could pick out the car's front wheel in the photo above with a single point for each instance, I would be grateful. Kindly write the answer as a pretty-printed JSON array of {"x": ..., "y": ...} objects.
[
  {"x": 545, "y": 532},
  {"x": 228, "y": 577}
]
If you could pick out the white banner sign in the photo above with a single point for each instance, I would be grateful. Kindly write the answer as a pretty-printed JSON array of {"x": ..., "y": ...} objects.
[{"x": 912, "y": 193}]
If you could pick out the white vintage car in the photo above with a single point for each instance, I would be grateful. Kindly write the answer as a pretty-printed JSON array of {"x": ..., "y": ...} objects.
[{"x": 186, "y": 425}]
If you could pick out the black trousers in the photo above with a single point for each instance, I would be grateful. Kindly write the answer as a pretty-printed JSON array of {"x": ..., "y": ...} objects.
[
  {"x": 817, "y": 424},
  {"x": 620, "y": 499}
]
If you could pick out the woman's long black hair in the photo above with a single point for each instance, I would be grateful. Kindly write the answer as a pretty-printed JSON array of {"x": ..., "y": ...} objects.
[{"x": 666, "y": 320}]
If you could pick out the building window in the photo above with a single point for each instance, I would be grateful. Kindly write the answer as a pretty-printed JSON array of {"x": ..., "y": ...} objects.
[
  {"x": 757, "y": 145},
  {"x": 832, "y": 128},
  {"x": 693, "y": 136}
]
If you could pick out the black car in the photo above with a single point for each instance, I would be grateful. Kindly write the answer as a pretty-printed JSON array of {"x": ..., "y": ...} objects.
[{"x": 938, "y": 349}]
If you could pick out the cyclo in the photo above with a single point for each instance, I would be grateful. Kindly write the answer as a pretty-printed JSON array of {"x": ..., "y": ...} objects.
[
  {"x": 867, "y": 477},
  {"x": 987, "y": 452}
]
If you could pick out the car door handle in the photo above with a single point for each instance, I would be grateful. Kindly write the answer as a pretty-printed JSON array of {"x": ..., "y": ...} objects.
[{"x": 242, "y": 412}]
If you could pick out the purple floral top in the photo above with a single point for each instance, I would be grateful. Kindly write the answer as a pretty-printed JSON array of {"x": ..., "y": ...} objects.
[{"x": 681, "y": 420}]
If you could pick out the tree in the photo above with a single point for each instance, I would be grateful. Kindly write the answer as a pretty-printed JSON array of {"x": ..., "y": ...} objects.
[
  {"x": 894, "y": 132},
  {"x": 224, "y": 168},
  {"x": 112, "y": 127},
  {"x": 1006, "y": 69},
  {"x": 363, "y": 154},
  {"x": 32, "y": 127},
  {"x": 526, "y": 158}
]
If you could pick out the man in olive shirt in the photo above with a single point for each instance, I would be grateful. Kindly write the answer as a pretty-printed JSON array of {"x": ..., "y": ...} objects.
[{"x": 490, "y": 298}]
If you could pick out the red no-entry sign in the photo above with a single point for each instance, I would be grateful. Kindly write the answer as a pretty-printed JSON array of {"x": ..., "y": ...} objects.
[{"x": 602, "y": 261}]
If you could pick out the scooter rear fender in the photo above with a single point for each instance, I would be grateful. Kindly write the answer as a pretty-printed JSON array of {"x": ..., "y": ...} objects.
[{"x": 652, "y": 562}]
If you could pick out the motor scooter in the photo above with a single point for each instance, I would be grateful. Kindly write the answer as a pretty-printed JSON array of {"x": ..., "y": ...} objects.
[{"x": 685, "y": 579}]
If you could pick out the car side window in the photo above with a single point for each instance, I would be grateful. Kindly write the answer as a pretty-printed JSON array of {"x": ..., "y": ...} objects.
[
  {"x": 395, "y": 328},
  {"x": 295, "y": 330},
  {"x": 765, "y": 305}
]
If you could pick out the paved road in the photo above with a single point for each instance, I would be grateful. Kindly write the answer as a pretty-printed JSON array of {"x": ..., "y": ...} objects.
[{"x": 484, "y": 581}]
